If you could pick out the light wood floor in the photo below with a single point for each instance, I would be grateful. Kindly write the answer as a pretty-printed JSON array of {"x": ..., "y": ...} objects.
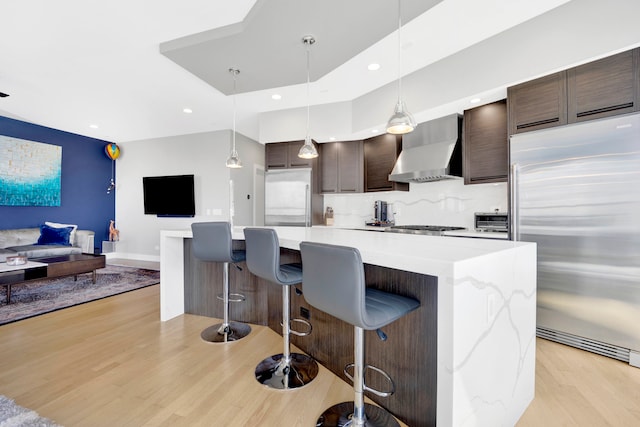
[{"x": 113, "y": 363}]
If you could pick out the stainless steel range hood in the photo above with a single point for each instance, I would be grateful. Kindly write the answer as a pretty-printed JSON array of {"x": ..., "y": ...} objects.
[{"x": 432, "y": 152}]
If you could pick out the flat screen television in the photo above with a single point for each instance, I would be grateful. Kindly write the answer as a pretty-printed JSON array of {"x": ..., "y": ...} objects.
[{"x": 169, "y": 196}]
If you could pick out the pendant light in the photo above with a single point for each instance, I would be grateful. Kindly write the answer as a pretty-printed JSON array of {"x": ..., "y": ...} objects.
[
  {"x": 401, "y": 121},
  {"x": 308, "y": 150},
  {"x": 234, "y": 160}
]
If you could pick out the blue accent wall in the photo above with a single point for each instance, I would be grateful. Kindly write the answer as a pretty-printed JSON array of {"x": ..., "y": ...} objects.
[{"x": 86, "y": 172}]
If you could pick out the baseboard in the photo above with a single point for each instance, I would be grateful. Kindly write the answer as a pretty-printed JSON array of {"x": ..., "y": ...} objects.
[{"x": 138, "y": 257}]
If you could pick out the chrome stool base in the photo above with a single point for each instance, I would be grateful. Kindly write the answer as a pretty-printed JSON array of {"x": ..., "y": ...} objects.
[
  {"x": 339, "y": 415},
  {"x": 217, "y": 333},
  {"x": 274, "y": 372}
]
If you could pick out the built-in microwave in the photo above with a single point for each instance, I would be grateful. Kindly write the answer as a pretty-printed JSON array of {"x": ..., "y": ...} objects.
[{"x": 492, "y": 221}]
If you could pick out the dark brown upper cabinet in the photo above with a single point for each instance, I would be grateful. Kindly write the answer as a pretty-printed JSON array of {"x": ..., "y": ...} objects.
[
  {"x": 603, "y": 88},
  {"x": 341, "y": 167},
  {"x": 276, "y": 155},
  {"x": 380, "y": 154},
  {"x": 538, "y": 104},
  {"x": 282, "y": 155},
  {"x": 485, "y": 147}
]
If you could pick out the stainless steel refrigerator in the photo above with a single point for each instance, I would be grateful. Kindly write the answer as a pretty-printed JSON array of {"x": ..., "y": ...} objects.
[
  {"x": 287, "y": 197},
  {"x": 575, "y": 190}
]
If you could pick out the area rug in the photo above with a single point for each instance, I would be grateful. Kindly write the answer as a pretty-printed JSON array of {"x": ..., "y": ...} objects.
[
  {"x": 12, "y": 415},
  {"x": 42, "y": 296}
]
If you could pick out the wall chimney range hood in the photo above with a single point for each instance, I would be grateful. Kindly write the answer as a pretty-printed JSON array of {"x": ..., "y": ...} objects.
[{"x": 432, "y": 152}]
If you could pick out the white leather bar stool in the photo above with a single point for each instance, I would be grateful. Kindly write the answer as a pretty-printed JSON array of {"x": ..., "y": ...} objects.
[
  {"x": 333, "y": 281},
  {"x": 212, "y": 242},
  {"x": 285, "y": 370}
]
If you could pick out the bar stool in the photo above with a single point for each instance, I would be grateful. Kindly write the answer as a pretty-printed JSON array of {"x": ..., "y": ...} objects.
[
  {"x": 212, "y": 242},
  {"x": 334, "y": 282},
  {"x": 286, "y": 370}
]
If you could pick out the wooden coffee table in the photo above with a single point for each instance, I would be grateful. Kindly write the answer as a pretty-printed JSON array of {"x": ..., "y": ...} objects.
[{"x": 51, "y": 267}]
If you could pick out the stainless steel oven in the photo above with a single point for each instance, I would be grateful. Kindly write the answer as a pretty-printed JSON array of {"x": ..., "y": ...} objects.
[{"x": 492, "y": 221}]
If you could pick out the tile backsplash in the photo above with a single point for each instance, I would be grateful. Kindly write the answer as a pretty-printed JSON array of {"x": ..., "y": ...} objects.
[{"x": 448, "y": 202}]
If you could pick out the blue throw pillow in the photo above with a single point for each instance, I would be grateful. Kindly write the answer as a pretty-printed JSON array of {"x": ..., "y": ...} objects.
[{"x": 54, "y": 236}]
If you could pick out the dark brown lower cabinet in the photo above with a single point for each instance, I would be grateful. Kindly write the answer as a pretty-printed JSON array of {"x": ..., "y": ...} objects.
[{"x": 409, "y": 355}]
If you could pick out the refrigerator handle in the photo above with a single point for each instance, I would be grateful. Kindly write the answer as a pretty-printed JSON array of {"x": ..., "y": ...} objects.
[
  {"x": 307, "y": 206},
  {"x": 513, "y": 217}
]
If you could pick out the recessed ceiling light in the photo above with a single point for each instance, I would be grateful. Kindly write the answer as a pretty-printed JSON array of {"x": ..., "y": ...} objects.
[
  {"x": 475, "y": 100},
  {"x": 332, "y": 138},
  {"x": 276, "y": 97},
  {"x": 374, "y": 130},
  {"x": 93, "y": 126},
  {"x": 373, "y": 67},
  {"x": 187, "y": 110}
]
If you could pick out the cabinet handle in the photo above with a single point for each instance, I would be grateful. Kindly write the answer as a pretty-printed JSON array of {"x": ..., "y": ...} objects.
[
  {"x": 538, "y": 123},
  {"x": 484, "y": 178},
  {"x": 514, "y": 214},
  {"x": 605, "y": 109}
]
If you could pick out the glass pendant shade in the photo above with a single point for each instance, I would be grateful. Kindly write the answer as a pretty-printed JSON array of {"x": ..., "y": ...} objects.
[
  {"x": 233, "y": 161},
  {"x": 308, "y": 150},
  {"x": 401, "y": 121}
]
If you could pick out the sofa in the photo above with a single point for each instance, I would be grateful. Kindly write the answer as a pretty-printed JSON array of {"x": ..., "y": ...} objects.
[{"x": 46, "y": 240}]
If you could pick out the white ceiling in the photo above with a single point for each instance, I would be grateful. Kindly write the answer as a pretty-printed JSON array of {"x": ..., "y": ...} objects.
[
  {"x": 71, "y": 64},
  {"x": 267, "y": 45}
]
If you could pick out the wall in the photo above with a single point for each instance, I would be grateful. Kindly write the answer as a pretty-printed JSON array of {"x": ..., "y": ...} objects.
[
  {"x": 447, "y": 202},
  {"x": 201, "y": 154},
  {"x": 251, "y": 153},
  {"x": 86, "y": 171},
  {"x": 326, "y": 121}
]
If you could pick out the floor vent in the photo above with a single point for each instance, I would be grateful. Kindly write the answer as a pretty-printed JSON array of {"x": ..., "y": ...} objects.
[{"x": 587, "y": 344}]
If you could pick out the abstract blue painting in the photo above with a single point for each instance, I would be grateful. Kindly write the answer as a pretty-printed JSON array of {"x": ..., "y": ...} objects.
[{"x": 30, "y": 173}]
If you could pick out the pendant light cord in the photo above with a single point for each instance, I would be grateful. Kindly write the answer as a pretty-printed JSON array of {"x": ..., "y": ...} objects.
[
  {"x": 235, "y": 73},
  {"x": 399, "y": 52},
  {"x": 308, "y": 96}
]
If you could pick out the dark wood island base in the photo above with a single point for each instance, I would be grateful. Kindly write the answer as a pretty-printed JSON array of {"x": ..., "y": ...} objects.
[{"x": 409, "y": 355}]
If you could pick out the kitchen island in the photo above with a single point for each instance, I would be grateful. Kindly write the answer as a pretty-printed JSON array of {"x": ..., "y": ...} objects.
[{"x": 468, "y": 353}]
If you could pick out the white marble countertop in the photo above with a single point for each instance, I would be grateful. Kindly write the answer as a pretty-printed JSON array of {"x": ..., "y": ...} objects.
[{"x": 432, "y": 255}]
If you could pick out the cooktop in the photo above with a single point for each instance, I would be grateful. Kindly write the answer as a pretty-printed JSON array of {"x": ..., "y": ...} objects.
[{"x": 434, "y": 230}]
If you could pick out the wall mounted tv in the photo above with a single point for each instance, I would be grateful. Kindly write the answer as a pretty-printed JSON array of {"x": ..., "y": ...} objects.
[{"x": 169, "y": 196}]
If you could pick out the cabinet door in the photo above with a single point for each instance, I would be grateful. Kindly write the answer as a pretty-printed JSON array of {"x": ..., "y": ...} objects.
[
  {"x": 276, "y": 155},
  {"x": 380, "y": 154},
  {"x": 485, "y": 144},
  {"x": 538, "y": 104},
  {"x": 329, "y": 167},
  {"x": 350, "y": 169},
  {"x": 603, "y": 88},
  {"x": 294, "y": 160}
]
